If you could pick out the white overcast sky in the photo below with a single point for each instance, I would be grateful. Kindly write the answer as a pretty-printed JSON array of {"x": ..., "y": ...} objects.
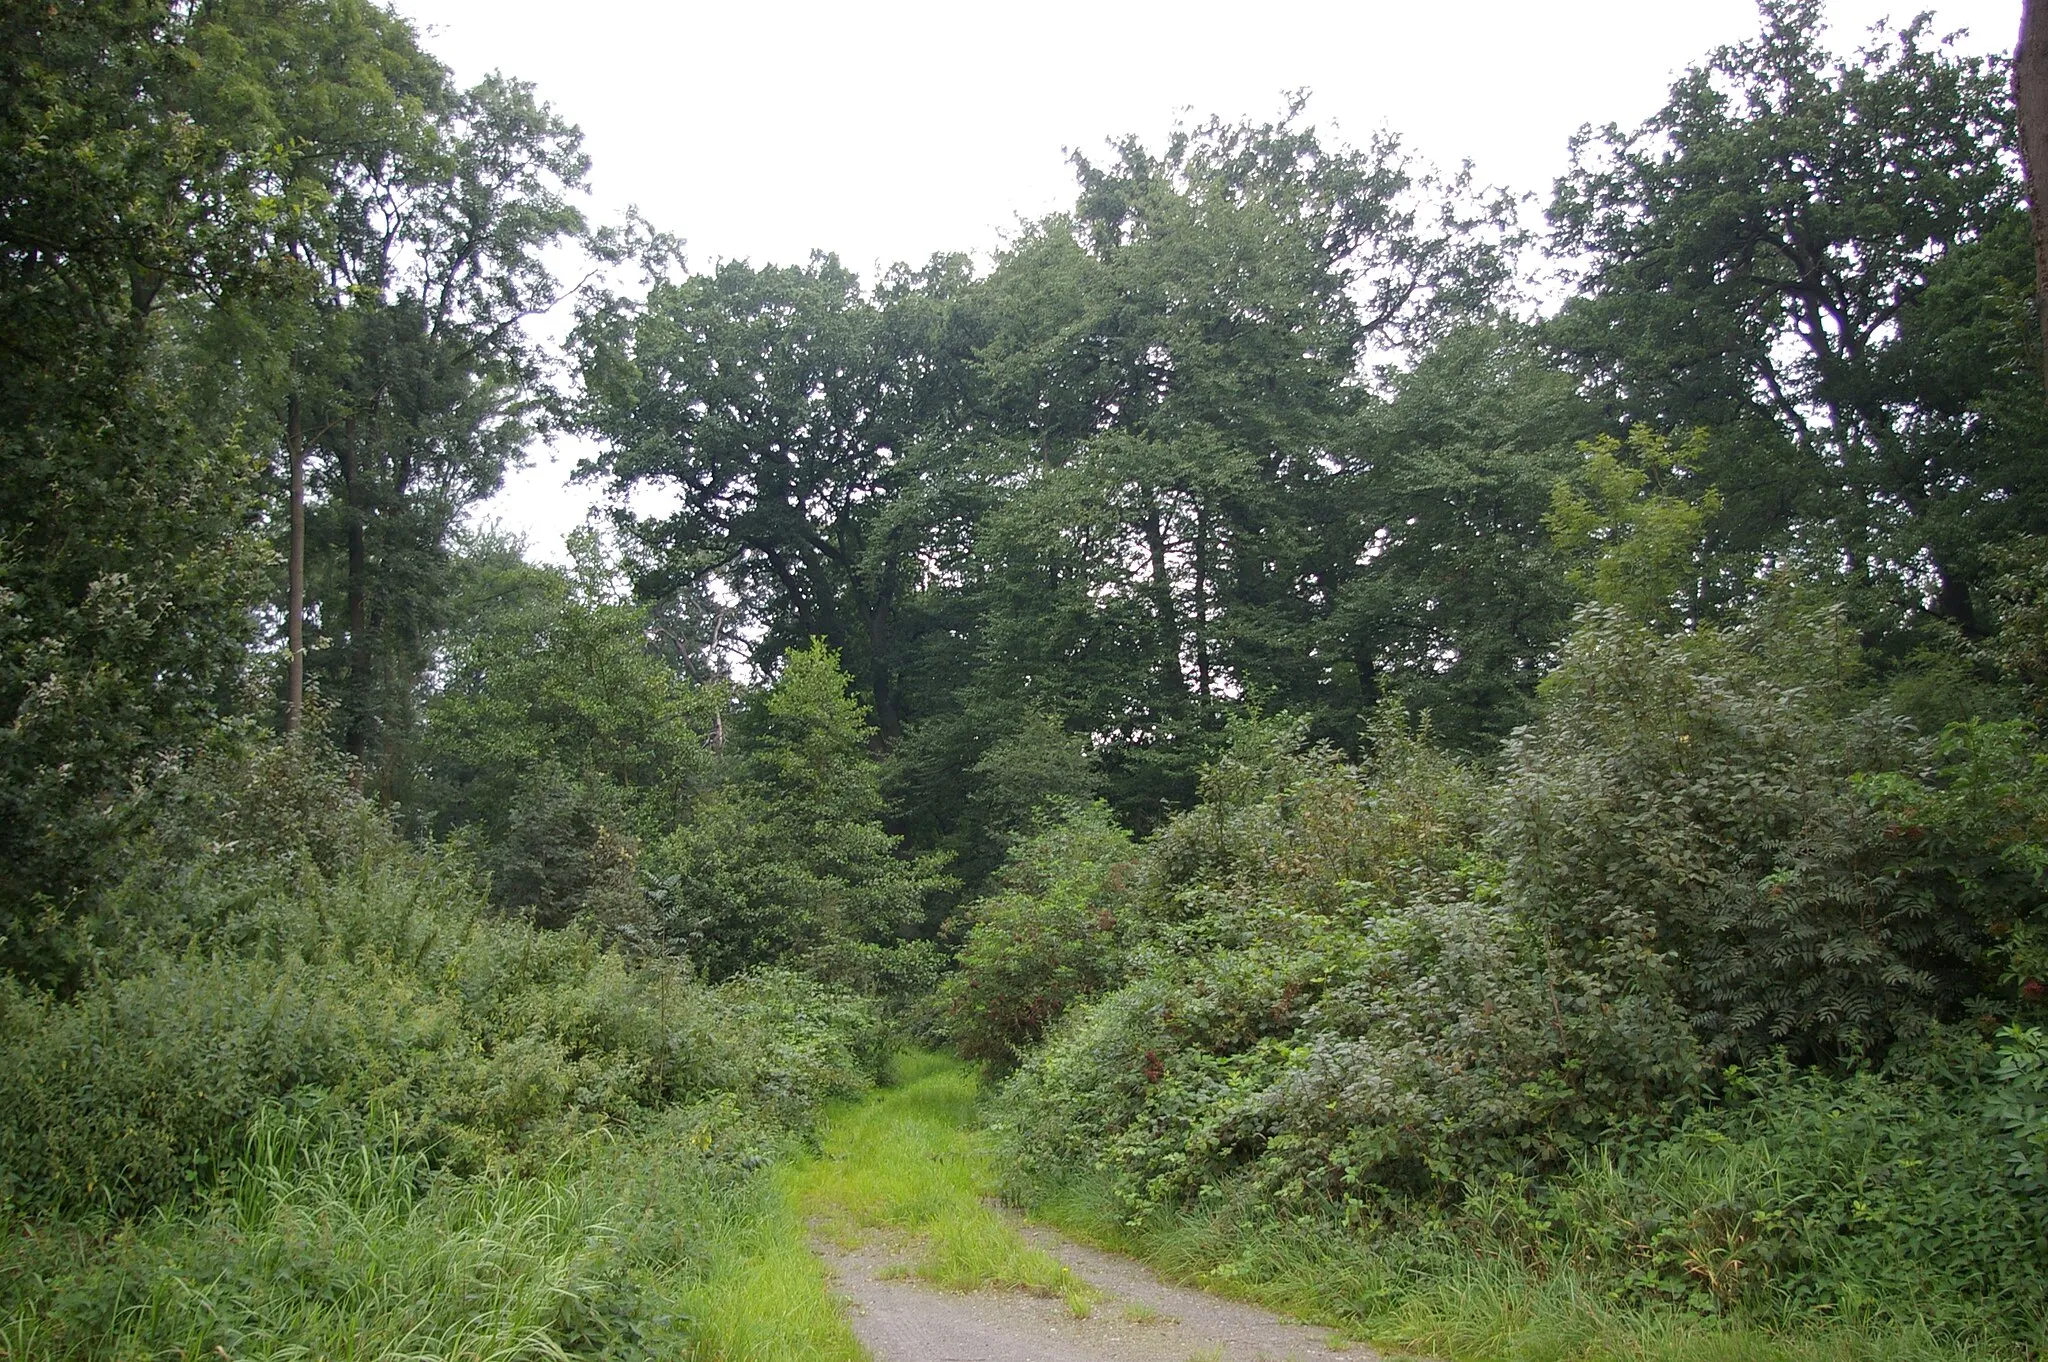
[{"x": 888, "y": 131}]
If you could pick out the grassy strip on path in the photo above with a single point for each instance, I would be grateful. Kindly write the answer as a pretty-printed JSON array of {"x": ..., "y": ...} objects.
[{"x": 906, "y": 1163}]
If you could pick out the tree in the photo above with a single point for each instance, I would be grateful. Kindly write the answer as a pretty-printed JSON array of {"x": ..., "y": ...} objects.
[
  {"x": 1173, "y": 370},
  {"x": 2030, "y": 100},
  {"x": 386, "y": 368},
  {"x": 1818, "y": 259},
  {"x": 228, "y": 228},
  {"x": 789, "y": 862},
  {"x": 558, "y": 740},
  {"x": 1633, "y": 545},
  {"x": 1442, "y": 583},
  {"x": 128, "y": 562},
  {"x": 793, "y": 416},
  {"x": 429, "y": 391}
]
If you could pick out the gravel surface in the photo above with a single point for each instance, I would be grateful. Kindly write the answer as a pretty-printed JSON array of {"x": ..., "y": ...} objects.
[{"x": 1139, "y": 1318}]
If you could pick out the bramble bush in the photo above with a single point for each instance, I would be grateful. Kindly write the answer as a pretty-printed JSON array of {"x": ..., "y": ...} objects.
[
  {"x": 1390, "y": 994},
  {"x": 1051, "y": 934},
  {"x": 1329, "y": 994},
  {"x": 274, "y": 940}
]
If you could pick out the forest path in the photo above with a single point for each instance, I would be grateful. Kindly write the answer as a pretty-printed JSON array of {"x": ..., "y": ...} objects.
[{"x": 899, "y": 1207}]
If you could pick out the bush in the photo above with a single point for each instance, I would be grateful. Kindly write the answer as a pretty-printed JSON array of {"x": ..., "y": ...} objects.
[
  {"x": 1375, "y": 995},
  {"x": 1330, "y": 996},
  {"x": 1866, "y": 1197},
  {"x": 279, "y": 943},
  {"x": 1050, "y": 936},
  {"x": 1690, "y": 809}
]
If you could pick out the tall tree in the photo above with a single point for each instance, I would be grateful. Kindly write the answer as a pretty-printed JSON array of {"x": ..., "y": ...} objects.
[
  {"x": 2030, "y": 99},
  {"x": 1442, "y": 585},
  {"x": 128, "y": 562},
  {"x": 1174, "y": 367},
  {"x": 794, "y": 419},
  {"x": 1816, "y": 257},
  {"x": 432, "y": 385},
  {"x": 390, "y": 362}
]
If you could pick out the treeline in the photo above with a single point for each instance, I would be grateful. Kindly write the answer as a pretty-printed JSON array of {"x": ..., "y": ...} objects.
[{"x": 1262, "y": 422}]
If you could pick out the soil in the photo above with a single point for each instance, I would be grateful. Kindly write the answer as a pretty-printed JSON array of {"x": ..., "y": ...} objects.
[{"x": 1138, "y": 1318}]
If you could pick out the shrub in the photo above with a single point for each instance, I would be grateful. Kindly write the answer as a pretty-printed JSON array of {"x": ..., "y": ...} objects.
[
  {"x": 1050, "y": 936},
  {"x": 357, "y": 978},
  {"x": 1331, "y": 996},
  {"x": 1691, "y": 808},
  {"x": 1865, "y": 1196}
]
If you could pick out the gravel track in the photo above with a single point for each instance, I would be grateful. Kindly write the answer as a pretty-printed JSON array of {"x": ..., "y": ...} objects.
[{"x": 1139, "y": 1318}]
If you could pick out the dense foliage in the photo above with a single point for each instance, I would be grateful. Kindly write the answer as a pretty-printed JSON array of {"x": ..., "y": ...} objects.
[
  {"x": 1558, "y": 786},
  {"x": 340, "y": 1086},
  {"x": 1387, "y": 993},
  {"x": 273, "y": 943}
]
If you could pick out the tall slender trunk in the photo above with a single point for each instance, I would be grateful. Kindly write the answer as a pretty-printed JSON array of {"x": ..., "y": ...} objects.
[
  {"x": 1202, "y": 602},
  {"x": 1162, "y": 595},
  {"x": 888, "y": 719},
  {"x": 2030, "y": 97},
  {"x": 358, "y": 733},
  {"x": 295, "y": 608}
]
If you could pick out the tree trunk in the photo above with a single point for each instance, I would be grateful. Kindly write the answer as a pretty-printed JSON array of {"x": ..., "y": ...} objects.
[
  {"x": 2030, "y": 97},
  {"x": 1202, "y": 603},
  {"x": 1162, "y": 596},
  {"x": 358, "y": 727},
  {"x": 295, "y": 608},
  {"x": 888, "y": 720}
]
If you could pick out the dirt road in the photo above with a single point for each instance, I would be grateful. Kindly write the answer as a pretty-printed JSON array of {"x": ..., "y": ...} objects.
[{"x": 1137, "y": 1318}]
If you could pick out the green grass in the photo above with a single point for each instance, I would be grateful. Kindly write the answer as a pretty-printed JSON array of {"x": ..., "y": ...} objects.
[
  {"x": 763, "y": 1296},
  {"x": 1446, "y": 1299},
  {"x": 626, "y": 1248},
  {"x": 906, "y": 1162}
]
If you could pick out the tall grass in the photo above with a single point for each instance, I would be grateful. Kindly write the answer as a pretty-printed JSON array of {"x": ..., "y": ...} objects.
[
  {"x": 314, "y": 1102},
  {"x": 624, "y": 1248}
]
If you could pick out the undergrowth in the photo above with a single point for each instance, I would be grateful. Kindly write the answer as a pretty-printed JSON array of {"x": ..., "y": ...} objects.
[
  {"x": 656, "y": 1244},
  {"x": 307, "y": 1098},
  {"x": 1449, "y": 1293}
]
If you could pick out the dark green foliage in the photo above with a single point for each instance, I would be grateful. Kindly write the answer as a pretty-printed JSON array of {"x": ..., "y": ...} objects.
[
  {"x": 787, "y": 861},
  {"x": 1444, "y": 586},
  {"x": 1719, "y": 986},
  {"x": 127, "y": 562},
  {"x": 1802, "y": 1216},
  {"x": 279, "y": 942},
  {"x": 424, "y": 386},
  {"x": 1049, "y": 936},
  {"x": 1376, "y": 983},
  {"x": 1694, "y": 798},
  {"x": 1821, "y": 259},
  {"x": 787, "y": 408},
  {"x": 561, "y": 743},
  {"x": 1870, "y": 1197},
  {"x": 1332, "y": 993}
]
